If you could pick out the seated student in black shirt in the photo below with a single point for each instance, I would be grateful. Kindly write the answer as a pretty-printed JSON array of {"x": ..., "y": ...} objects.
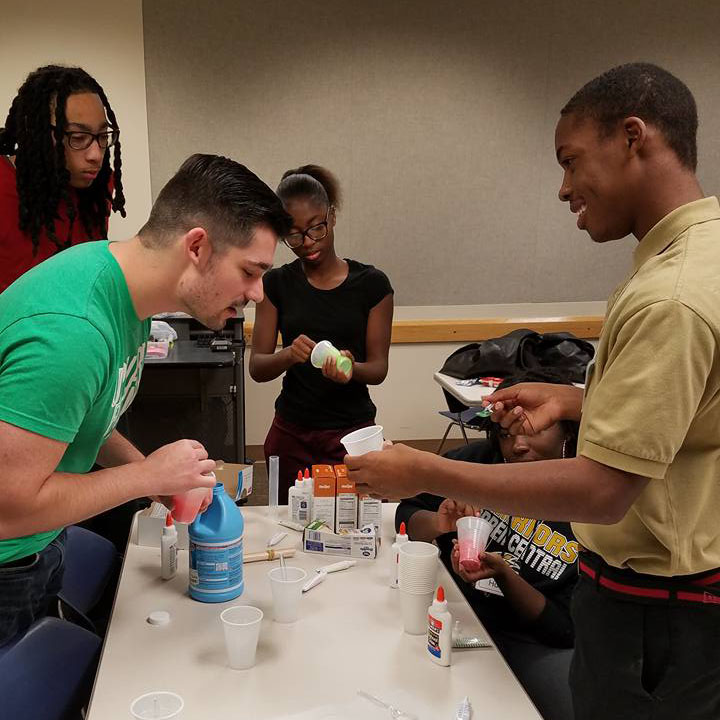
[
  {"x": 319, "y": 296},
  {"x": 528, "y": 570}
]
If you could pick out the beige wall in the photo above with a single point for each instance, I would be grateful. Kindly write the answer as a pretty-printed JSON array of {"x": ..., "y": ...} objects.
[
  {"x": 409, "y": 399},
  {"x": 437, "y": 117},
  {"x": 106, "y": 39}
]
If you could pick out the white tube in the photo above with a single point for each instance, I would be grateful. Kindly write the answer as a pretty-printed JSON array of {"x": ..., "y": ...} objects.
[{"x": 274, "y": 483}]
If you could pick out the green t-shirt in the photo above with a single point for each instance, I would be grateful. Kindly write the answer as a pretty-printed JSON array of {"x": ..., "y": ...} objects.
[{"x": 71, "y": 354}]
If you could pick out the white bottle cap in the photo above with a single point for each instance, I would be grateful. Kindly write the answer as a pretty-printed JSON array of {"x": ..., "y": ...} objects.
[{"x": 159, "y": 617}]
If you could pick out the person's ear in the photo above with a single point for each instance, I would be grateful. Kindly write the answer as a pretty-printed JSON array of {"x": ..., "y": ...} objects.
[
  {"x": 635, "y": 132},
  {"x": 331, "y": 217},
  {"x": 197, "y": 247}
]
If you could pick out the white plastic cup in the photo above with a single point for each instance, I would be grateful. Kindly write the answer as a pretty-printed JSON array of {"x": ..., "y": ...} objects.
[
  {"x": 414, "y": 608},
  {"x": 473, "y": 533},
  {"x": 159, "y": 705},
  {"x": 241, "y": 625},
  {"x": 325, "y": 349},
  {"x": 364, "y": 440},
  {"x": 286, "y": 584}
]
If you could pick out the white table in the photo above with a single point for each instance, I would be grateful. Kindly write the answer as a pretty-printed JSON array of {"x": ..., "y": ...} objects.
[
  {"x": 349, "y": 637},
  {"x": 470, "y": 395}
]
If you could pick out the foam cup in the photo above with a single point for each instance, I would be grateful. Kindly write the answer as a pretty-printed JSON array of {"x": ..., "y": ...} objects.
[{"x": 364, "y": 440}]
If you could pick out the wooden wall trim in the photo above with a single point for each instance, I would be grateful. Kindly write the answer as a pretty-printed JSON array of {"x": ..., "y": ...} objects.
[{"x": 469, "y": 330}]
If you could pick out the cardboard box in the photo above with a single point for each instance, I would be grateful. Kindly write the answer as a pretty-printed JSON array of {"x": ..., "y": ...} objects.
[
  {"x": 370, "y": 513},
  {"x": 346, "y": 501},
  {"x": 324, "y": 487},
  {"x": 150, "y": 524},
  {"x": 319, "y": 538},
  {"x": 237, "y": 479}
]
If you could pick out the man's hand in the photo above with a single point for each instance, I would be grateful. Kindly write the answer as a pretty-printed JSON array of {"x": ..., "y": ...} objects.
[
  {"x": 449, "y": 512},
  {"x": 528, "y": 408},
  {"x": 301, "y": 348},
  {"x": 389, "y": 473},
  {"x": 331, "y": 371},
  {"x": 491, "y": 565},
  {"x": 180, "y": 466}
]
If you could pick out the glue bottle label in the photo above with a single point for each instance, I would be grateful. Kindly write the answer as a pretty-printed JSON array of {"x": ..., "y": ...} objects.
[{"x": 435, "y": 627}]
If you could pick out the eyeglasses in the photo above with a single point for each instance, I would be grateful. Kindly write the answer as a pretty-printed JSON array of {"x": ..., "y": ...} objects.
[
  {"x": 83, "y": 140},
  {"x": 316, "y": 232}
]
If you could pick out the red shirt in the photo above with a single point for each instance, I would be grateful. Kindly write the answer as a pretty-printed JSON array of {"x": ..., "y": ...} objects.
[{"x": 16, "y": 247}]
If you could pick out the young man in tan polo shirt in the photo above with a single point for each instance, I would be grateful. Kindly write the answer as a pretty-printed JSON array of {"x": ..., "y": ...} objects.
[{"x": 644, "y": 490}]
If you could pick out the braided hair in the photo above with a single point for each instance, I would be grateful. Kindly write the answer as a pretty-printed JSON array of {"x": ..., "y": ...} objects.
[{"x": 43, "y": 181}]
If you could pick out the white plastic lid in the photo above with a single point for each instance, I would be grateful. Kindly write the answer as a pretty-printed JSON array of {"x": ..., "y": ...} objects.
[{"x": 159, "y": 617}]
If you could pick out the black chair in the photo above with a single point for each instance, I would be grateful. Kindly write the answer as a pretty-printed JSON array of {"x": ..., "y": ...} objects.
[
  {"x": 47, "y": 673},
  {"x": 466, "y": 418}
]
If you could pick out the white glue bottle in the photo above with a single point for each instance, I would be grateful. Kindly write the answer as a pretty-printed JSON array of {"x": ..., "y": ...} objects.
[
  {"x": 400, "y": 539},
  {"x": 439, "y": 632},
  {"x": 308, "y": 486},
  {"x": 300, "y": 501},
  {"x": 168, "y": 549}
]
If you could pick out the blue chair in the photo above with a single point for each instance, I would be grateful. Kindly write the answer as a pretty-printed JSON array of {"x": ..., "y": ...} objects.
[
  {"x": 91, "y": 563},
  {"x": 47, "y": 673}
]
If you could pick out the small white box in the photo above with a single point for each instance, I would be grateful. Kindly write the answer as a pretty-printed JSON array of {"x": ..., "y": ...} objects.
[
  {"x": 150, "y": 523},
  {"x": 370, "y": 512},
  {"x": 319, "y": 538}
]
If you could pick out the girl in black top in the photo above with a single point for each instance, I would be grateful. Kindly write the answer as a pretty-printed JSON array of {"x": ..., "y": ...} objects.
[
  {"x": 531, "y": 564},
  {"x": 319, "y": 296}
]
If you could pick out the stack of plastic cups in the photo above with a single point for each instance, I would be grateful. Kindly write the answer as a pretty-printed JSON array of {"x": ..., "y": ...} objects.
[
  {"x": 473, "y": 534},
  {"x": 417, "y": 575}
]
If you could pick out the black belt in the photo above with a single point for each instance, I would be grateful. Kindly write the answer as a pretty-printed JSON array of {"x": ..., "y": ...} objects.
[
  {"x": 16, "y": 563},
  {"x": 702, "y": 588}
]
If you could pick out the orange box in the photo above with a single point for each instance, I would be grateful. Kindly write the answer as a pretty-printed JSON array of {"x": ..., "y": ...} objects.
[
  {"x": 325, "y": 490},
  {"x": 346, "y": 507}
]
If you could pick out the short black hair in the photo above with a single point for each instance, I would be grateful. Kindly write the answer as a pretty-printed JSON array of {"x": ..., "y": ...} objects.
[
  {"x": 43, "y": 181},
  {"x": 218, "y": 194},
  {"x": 646, "y": 91},
  {"x": 549, "y": 375}
]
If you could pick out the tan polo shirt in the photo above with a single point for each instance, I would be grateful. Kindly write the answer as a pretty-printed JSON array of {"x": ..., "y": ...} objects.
[{"x": 652, "y": 402}]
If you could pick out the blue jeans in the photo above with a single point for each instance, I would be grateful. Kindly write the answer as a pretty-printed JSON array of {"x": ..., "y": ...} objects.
[{"x": 28, "y": 586}]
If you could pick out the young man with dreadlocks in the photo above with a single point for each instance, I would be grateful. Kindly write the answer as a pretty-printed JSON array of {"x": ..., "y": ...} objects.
[
  {"x": 644, "y": 489},
  {"x": 73, "y": 332},
  {"x": 57, "y": 185}
]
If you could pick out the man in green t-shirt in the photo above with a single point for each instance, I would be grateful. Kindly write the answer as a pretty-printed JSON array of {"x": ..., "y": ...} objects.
[{"x": 73, "y": 333}]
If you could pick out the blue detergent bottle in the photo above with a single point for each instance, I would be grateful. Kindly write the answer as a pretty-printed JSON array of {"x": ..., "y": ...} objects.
[{"x": 216, "y": 550}]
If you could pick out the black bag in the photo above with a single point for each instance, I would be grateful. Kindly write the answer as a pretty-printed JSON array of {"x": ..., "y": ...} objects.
[{"x": 518, "y": 351}]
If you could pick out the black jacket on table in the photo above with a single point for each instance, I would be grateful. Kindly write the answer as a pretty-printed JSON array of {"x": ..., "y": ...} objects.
[{"x": 544, "y": 552}]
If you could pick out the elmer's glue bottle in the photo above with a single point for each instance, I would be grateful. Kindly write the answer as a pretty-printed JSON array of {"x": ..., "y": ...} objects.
[
  {"x": 216, "y": 550},
  {"x": 439, "y": 632},
  {"x": 400, "y": 539},
  {"x": 300, "y": 501},
  {"x": 168, "y": 549}
]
